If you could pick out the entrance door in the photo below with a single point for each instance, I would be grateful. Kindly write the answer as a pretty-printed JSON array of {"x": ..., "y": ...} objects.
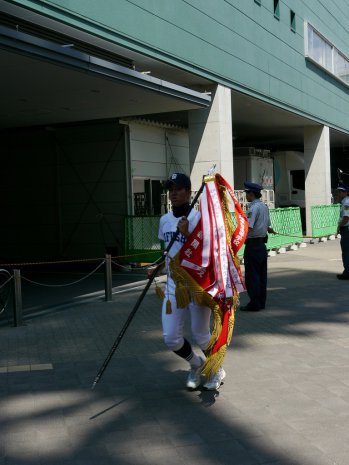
[{"x": 147, "y": 197}]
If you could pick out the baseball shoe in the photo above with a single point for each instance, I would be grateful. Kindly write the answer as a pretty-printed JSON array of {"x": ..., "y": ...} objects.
[
  {"x": 194, "y": 376},
  {"x": 213, "y": 383}
]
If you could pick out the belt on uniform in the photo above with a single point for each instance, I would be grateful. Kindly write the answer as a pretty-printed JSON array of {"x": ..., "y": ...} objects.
[{"x": 254, "y": 239}]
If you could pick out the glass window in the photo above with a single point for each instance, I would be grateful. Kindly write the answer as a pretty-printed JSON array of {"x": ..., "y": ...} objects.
[
  {"x": 293, "y": 21},
  {"x": 325, "y": 54},
  {"x": 341, "y": 66},
  {"x": 319, "y": 49},
  {"x": 277, "y": 9}
]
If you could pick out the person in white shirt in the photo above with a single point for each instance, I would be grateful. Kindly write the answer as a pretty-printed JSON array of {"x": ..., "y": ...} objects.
[{"x": 179, "y": 187}]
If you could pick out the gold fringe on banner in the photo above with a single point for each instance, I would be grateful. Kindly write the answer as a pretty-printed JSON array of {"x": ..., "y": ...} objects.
[
  {"x": 198, "y": 295},
  {"x": 182, "y": 295}
]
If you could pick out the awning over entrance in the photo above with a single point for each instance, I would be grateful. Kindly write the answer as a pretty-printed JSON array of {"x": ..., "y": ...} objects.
[{"x": 47, "y": 83}]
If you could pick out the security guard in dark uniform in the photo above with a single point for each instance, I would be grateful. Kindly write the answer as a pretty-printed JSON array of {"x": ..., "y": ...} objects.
[
  {"x": 343, "y": 228},
  {"x": 255, "y": 254}
]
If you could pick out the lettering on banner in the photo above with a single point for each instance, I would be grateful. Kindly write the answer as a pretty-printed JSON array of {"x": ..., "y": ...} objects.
[
  {"x": 201, "y": 272},
  {"x": 195, "y": 243},
  {"x": 188, "y": 252}
]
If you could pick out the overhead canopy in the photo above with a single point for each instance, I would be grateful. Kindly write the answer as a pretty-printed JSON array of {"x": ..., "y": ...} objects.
[{"x": 46, "y": 83}]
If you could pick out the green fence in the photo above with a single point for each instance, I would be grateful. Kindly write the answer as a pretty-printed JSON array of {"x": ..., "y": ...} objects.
[
  {"x": 324, "y": 219},
  {"x": 287, "y": 222},
  {"x": 142, "y": 243},
  {"x": 141, "y": 239}
]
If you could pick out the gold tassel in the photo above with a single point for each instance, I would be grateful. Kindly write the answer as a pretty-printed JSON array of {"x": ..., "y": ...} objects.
[
  {"x": 213, "y": 362},
  {"x": 159, "y": 292},
  {"x": 168, "y": 307},
  {"x": 182, "y": 296},
  {"x": 197, "y": 296}
]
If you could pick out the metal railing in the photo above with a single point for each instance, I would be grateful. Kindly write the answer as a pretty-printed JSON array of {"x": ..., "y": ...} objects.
[
  {"x": 142, "y": 241},
  {"x": 14, "y": 281},
  {"x": 324, "y": 219}
]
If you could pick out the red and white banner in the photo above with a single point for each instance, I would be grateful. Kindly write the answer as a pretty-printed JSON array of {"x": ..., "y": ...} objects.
[
  {"x": 209, "y": 258},
  {"x": 208, "y": 254}
]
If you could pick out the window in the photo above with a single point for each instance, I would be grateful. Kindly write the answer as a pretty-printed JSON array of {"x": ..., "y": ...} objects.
[
  {"x": 340, "y": 66},
  {"x": 321, "y": 50},
  {"x": 147, "y": 197},
  {"x": 259, "y": 2},
  {"x": 297, "y": 179},
  {"x": 277, "y": 9},
  {"x": 293, "y": 21},
  {"x": 324, "y": 54}
]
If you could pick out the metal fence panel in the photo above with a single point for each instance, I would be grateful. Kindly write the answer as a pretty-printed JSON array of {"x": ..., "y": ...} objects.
[
  {"x": 141, "y": 239},
  {"x": 287, "y": 222},
  {"x": 142, "y": 243},
  {"x": 324, "y": 219}
]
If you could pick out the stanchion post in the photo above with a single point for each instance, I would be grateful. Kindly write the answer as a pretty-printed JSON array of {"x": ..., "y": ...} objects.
[
  {"x": 17, "y": 298},
  {"x": 108, "y": 277}
]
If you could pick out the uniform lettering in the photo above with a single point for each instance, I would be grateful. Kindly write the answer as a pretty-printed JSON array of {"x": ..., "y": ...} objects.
[{"x": 169, "y": 235}]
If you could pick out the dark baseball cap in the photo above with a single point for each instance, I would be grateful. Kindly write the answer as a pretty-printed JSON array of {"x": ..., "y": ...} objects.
[
  {"x": 252, "y": 187},
  {"x": 180, "y": 179},
  {"x": 343, "y": 187}
]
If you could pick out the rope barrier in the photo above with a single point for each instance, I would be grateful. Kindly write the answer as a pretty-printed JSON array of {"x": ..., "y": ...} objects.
[
  {"x": 78, "y": 260},
  {"x": 63, "y": 285},
  {"x": 52, "y": 262},
  {"x": 125, "y": 267},
  {"x": 8, "y": 280},
  {"x": 4, "y": 295},
  {"x": 148, "y": 265}
]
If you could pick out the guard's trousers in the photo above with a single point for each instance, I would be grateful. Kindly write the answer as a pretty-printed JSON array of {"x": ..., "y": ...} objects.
[
  {"x": 256, "y": 269},
  {"x": 345, "y": 249}
]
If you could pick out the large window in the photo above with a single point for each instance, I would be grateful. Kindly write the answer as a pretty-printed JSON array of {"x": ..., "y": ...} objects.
[
  {"x": 341, "y": 66},
  {"x": 323, "y": 53}
]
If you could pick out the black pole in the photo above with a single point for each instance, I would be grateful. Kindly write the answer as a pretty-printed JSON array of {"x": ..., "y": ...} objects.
[
  {"x": 17, "y": 294},
  {"x": 141, "y": 297}
]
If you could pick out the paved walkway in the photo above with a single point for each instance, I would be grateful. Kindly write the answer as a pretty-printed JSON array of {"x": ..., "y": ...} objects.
[{"x": 285, "y": 400}]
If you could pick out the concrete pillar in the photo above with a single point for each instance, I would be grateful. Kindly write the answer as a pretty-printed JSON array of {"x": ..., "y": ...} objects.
[
  {"x": 317, "y": 169},
  {"x": 210, "y": 138}
]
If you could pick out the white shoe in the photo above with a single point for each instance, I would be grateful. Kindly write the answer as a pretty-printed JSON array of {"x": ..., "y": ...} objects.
[
  {"x": 194, "y": 377},
  {"x": 213, "y": 383}
]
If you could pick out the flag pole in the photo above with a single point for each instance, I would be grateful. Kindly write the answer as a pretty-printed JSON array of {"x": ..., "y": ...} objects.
[{"x": 147, "y": 286}]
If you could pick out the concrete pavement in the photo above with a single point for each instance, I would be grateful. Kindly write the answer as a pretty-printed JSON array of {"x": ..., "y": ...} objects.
[{"x": 285, "y": 400}]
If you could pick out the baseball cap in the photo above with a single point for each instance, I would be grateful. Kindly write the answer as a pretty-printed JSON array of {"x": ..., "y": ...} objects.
[
  {"x": 343, "y": 187},
  {"x": 180, "y": 179},
  {"x": 252, "y": 187}
]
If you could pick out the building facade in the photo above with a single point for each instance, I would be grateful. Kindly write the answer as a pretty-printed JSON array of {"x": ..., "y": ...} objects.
[{"x": 101, "y": 101}]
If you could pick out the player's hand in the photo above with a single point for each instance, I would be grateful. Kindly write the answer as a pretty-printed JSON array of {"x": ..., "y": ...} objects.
[
  {"x": 150, "y": 271},
  {"x": 183, "y": 226}
]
